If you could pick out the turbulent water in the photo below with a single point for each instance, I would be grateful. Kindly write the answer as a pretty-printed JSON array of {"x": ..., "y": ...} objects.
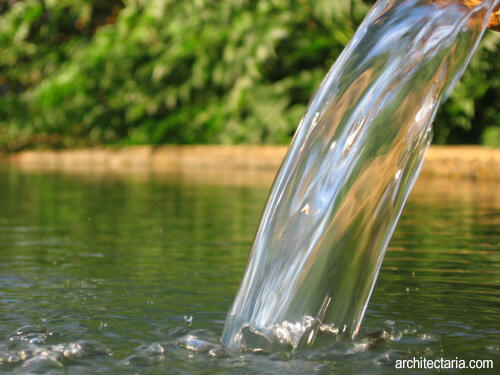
[{"x": 340, "y": 191}]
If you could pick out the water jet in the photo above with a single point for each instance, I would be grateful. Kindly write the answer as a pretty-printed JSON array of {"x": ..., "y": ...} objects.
[{"x": 342, "y": 186}]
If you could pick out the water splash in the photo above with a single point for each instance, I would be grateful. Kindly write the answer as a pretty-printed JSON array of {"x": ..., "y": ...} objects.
[{"x": 344, "y": 181}]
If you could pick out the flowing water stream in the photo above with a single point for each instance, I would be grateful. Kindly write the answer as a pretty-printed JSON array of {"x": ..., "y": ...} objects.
[{"x": 345, "y": 179}]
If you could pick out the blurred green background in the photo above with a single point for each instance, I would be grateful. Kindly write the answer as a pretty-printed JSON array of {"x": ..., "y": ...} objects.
[{"x": 79, "y": 73}]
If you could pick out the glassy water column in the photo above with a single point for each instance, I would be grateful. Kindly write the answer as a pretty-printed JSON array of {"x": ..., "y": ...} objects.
[{"x": 348, "y": 172}]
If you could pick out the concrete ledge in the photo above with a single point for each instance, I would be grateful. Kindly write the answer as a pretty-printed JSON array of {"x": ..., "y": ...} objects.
[{"x": 471, "y": 162}]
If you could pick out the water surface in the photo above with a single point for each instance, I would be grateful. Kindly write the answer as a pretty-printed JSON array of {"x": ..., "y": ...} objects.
[{"x": 134, "y": 275}]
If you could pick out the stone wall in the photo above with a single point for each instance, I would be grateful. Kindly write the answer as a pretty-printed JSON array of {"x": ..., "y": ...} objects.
[{"x": 472, "y": 162}]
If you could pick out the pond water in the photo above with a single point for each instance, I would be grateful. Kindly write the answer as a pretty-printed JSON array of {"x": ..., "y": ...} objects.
[{"x": 135, "y": 275}]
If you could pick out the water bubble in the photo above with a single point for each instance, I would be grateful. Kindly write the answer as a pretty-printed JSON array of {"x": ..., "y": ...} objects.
[
  {"x": 28, "y": 329},
  {"x": 32, "y": 334},
  {"x": 155, "y": 349},
  {"x": 147, "y": 355},
  {"x": 389, "y": 358},
  {"x": 81, "y": 349},
  {"x": 10, "y": 358},
  {"x": 42, "y": 362},
  {"x": 196, "y": 344},
  {"x": 427, "y": 337},
  {"x": 218, "y": 352},
  {"x": 396, "y": 336},
  {"x": 35, "y": 338}
]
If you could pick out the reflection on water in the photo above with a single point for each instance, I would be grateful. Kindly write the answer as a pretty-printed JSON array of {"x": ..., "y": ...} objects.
[{"x": 126, "y": 276}]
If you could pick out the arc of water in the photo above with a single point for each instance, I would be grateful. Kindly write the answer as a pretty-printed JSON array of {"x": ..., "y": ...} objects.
[{"x": 351, "y": 165}]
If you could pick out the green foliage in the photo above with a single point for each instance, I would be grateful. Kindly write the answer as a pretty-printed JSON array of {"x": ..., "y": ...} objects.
[
  {"x": 37, "y": 40},
  {"x": 491, "y": 136},
  {"x": 475, "y": 101},
  {"x": 86, "y": 72}
]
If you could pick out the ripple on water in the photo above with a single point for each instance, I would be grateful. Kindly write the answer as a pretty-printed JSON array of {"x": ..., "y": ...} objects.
[
  {"x": 96, "y": 317},
  {"x": 27, "y": 350},
  {"x": 35, "y": 349}
]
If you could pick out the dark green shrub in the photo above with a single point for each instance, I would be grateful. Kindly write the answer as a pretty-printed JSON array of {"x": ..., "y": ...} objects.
[{"x": 88, "y": 72}]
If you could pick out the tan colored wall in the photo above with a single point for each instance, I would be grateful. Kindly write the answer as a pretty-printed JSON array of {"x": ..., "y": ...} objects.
[{"x": 447, "y": 161}]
